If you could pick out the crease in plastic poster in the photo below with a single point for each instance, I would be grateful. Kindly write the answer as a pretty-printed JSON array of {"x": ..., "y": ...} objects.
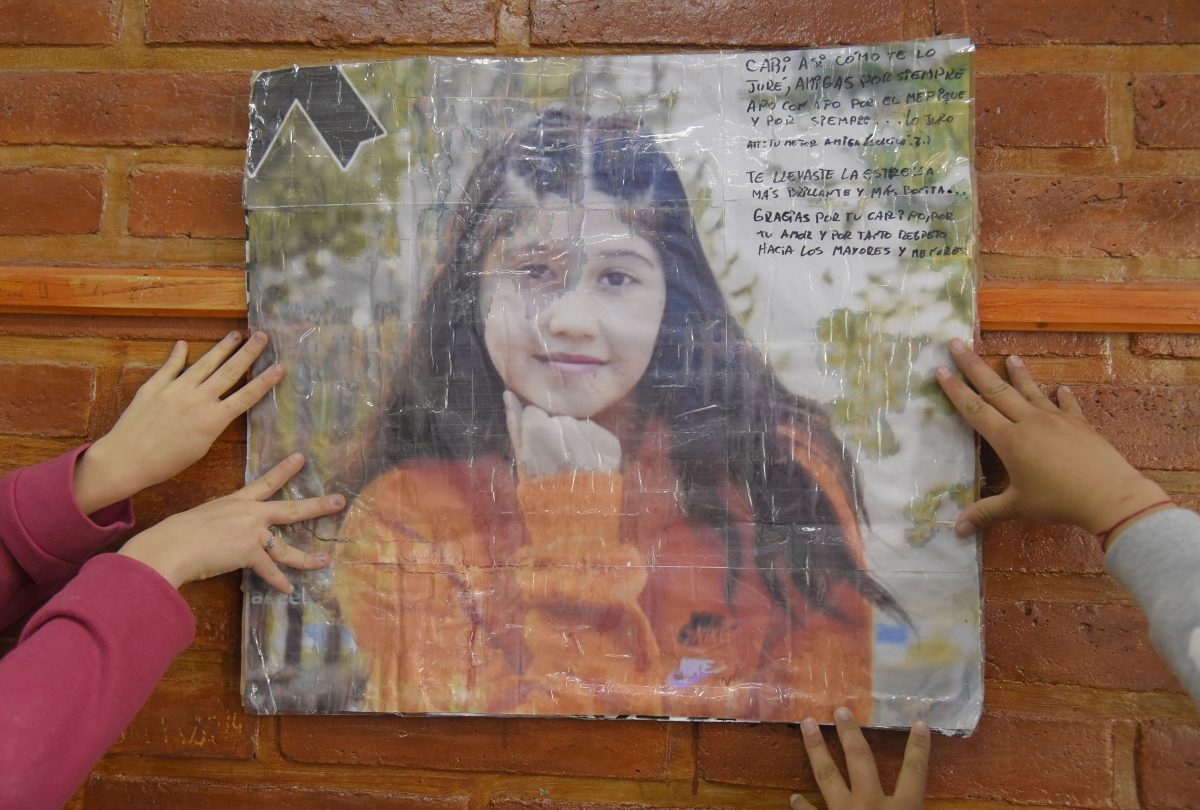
[{"x": 721, "y": 483}]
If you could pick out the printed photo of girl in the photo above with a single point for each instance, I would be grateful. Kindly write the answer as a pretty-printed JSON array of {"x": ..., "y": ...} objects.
[{"x": 594, "y": 496}]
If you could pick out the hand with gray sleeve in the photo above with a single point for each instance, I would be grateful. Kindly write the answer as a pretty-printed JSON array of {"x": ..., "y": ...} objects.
[{"x": 1061, "y": 470}]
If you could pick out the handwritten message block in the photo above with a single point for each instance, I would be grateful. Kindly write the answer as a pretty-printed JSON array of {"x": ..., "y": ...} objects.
[{"x": 848, "y": 151}]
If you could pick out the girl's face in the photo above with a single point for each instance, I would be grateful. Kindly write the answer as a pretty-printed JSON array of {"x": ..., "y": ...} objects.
[{"x": 571, "y": 304}]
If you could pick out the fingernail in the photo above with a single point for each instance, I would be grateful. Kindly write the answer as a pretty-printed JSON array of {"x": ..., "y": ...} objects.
[
  {"x": 965, "y": 528},
  {"x": 809, "y": 726},
  {"x": 942, "y": 373},
  {"x": 1064, "y": 389},
  {"x": 1015, "y": 361},
  {"x": 233, "y": 336},
  {"x": 291, "y": 589},
  {"x": 294, "y": 457},
  {"x": 338, "y": 501},
  {"x": 957, "y": 345},
  {"x": 794, "y": 798},
  {"x": 921, "y": 728},
  {"x": 179, "y": 344},
  {"x": 843, "y": 715},
  {"x": 322, "y": 559},
  {"x": 275, "y": 369},
  {"x": 260, "y": 337}
]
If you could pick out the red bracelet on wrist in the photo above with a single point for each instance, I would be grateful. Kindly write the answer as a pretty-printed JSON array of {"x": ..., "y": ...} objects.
[{"x": 1105, "y": 535}]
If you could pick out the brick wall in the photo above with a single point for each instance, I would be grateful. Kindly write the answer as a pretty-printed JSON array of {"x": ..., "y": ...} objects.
[{"x": 122, "y": 125}]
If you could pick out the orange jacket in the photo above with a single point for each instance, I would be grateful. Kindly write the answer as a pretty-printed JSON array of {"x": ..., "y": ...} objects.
[{"x": 583, "y": 594}]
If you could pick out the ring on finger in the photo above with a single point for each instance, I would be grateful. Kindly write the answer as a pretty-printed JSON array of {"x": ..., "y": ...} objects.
[{"x": 270, "y": 544}]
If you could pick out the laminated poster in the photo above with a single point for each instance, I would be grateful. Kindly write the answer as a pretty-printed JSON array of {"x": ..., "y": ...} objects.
[{"x": 625, "y": 366}]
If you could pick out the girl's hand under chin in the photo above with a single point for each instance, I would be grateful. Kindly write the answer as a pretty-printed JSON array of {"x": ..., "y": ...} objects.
[{"x": 546, "y": 445}]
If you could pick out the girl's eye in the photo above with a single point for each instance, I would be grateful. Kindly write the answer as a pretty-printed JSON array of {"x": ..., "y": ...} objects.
[
  {"x": 616, "y": 278},
  {"x": 535, "y": 275},
  {"x": 536, "y": 272}
]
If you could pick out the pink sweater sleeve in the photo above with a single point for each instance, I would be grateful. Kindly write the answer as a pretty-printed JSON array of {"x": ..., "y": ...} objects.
[
  {"x": 85, "y": 664},
  {"x": 90, "y": 657},
  {"x": 44, "y": 538}
]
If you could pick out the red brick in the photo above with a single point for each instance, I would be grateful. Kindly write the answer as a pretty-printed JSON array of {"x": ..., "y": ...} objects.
[
  {"x": 124, "y": 109},
  {"x": 1017, "y": 110},
  {"x": 772, "y": 755},
  {"x": 1104, "y": 646},
  {"x": 320, "y": 22},
  {"x": 132, "y": 793},
  {"x": 1169, "y": 765},
  {"x": 1019, "y": 22},
  {"x": 771, "y": 22},
  {"x": 195, "y": 711},
  {"x": 1155, "y": 427},
  {"x": 1041, "y": 344},
  {"x": 219, "y": 473},
  {"x": 1181, "y": 346},
  {"x": 45, "y": 400},
  {"x": 1054, "y": 761},
  {"x": 43, "y": 201},
  {"x": 1167, "y": 111},
  {"x": 217, "y": 605},
  {"x": 1093, "y": 217},
  {"x": 59, "y": 22},
  {"x": 1009, "y": 758},
  {"x": 133, "y": 377},
  {"x": 1041, "y": 548},
  {"x": 186, "y": 202},
  {"x": 626, "y": 749},
  {"x": 546, "y": 804}
]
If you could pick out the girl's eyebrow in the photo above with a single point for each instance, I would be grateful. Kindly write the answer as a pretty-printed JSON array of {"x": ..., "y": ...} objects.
[
  {"x": 626, "y": 253},
  {"x": 531, "y": 249}
]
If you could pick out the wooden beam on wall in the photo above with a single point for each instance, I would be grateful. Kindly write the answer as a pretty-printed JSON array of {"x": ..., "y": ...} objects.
[
  {"x": 194, "y": 292},
  {"x": 216, "y": 292},
  {"x": 1089, "y": 306}
]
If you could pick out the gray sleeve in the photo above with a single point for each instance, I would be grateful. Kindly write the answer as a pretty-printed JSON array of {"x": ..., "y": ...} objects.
[{"x": 1158, "y": 560}]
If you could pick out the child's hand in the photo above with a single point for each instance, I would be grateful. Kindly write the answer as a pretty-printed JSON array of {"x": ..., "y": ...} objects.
[
  {"x": 234, "y": 532},
  {"x": 865, "y": 792},
  {"x": 172, "y": 421},
  {"x": 1059, "y": 468},
  {"x": 546, "y": 445}
]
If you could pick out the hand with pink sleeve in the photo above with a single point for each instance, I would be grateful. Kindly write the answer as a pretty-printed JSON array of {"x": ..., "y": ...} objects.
[{"x": 172, "y": 421}]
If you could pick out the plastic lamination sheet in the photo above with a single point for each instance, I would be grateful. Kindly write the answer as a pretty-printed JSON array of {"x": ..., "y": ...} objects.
[{"x": 625, "y": 367}]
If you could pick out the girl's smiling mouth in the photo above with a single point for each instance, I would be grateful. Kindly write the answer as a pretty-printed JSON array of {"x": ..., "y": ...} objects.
[{"x": 571, "y": 363}]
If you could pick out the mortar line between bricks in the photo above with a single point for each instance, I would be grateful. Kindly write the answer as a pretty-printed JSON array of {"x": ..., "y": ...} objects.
[
  {"x": 1073, "y": 58},
  {"x": 1066, "y": 161},
  {"x": 485, "y": 784},
  {"x": 115, "y": 222},
  {"x": 125, "y": 251},
  {"x": 105, "y": 406},
  {"x": 133, "y": 25},
  {"x": 54, "y": 155},
  {"x": 990, "y": 59},
  {"x": 1125, "y": 765},
  {"x": 1122, "y": 115},
  {"x": 1068, "y": 700},
  {"x": 931, "y": 16},
  {"x": 208, "y": 56}
]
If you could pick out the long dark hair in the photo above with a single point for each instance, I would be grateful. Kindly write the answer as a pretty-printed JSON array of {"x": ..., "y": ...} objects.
[{"x": 734, "y": 431}]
